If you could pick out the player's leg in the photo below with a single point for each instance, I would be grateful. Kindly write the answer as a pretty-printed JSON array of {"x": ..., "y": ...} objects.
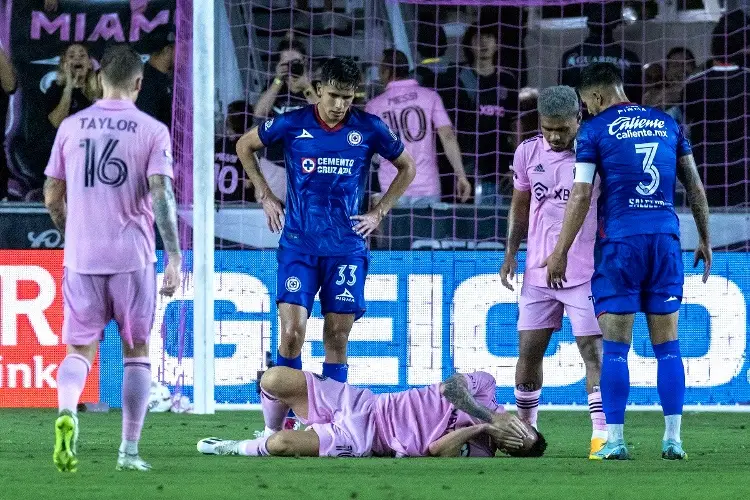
[
  {"x": 342, "y": 302},
  {"x": 85, "y": 314},
  {"x": 133, "y": 298},
  {"x": 539, "y": 315}
]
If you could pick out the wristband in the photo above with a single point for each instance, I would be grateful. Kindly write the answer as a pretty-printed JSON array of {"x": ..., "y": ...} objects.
[{"x": 277, "y": 81}]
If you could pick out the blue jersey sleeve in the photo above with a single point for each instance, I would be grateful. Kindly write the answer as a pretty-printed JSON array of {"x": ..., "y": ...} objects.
[
  {"x": 273, "y": 130},
  {"x": 385, "y": 143},
  {"x": 586, "y": 144},
  {"x": 683, "y": 143}
]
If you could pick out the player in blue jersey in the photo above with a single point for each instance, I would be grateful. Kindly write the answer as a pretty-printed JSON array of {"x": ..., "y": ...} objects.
[
  {"x": 328, "y": 148},
  {"x": 638, "y": 152}
]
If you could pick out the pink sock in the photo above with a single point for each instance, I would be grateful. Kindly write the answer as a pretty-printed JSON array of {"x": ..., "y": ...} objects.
[
  {"x": 71, "y": 379},
  {"x": 274, "y": 411},
  {"x": 254, "y": 447},
  {"x": 528, "y": 405},
  {"x": 136, "y": 385},
  {"x": 597, "y": 413}
]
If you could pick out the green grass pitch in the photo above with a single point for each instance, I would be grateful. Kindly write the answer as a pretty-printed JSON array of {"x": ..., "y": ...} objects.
[{"x": 718, "y": 445}]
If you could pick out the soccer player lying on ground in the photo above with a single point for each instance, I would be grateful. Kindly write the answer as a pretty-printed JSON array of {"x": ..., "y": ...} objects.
[
  {"x": 458, "y": 417},
  {"x": 108, "y": 178},
  {"x": 328, "y": 148},
  {"x": 638, "y": 152},
  {"x": 542, "y": 180}
]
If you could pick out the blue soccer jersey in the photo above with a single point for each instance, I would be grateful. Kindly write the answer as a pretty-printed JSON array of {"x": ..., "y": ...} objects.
[
  {"x": 635, "y": 150},
  {"x": 327, "y": 170}
]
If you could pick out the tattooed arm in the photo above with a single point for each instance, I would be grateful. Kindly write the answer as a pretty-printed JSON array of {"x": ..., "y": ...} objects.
[
  {"x": 688, "y": 174},
  {"x": 165, "y": 213},
  {"x": 456, "y": 390},
  {"x": 54, "y": 200}
]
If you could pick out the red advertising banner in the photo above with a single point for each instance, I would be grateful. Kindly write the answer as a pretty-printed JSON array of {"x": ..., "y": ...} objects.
[{"x": 31, "y": 316}]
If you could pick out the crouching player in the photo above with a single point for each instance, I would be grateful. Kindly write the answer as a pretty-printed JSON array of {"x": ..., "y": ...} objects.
[{"x": 458, "y": 417}]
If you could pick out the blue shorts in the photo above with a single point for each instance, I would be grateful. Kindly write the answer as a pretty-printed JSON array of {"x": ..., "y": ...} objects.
[
  {"x": 341, "y": 281},
  {"x": 640, "y": 273}
]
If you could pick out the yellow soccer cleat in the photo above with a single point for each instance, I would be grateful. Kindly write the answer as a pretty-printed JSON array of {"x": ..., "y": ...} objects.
[
  {"x": 66, "y": 436},
  {"x": 596, "y": 445}
]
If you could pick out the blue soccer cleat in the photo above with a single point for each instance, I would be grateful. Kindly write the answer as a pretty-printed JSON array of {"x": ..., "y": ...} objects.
[
  {"x": 672, "y": 450},
  {"x": 612, "y": 451}
]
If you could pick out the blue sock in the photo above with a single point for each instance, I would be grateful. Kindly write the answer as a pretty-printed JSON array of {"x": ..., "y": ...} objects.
[
  {"x": 615, "y": 382},
  {"x": 670, "y": 377},
  {"x": 295, "y": 363},
  {"x": 336, "y": 371}
]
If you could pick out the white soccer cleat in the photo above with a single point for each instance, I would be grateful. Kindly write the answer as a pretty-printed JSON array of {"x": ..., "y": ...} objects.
[
  {"x": 131, "y": 462},
  {"x": 216, "y": 446}
]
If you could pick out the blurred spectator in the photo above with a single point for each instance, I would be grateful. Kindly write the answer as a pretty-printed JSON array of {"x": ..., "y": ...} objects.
[
  {"x": 488, "y": 98},
  {"x": 432, "y": 69},
  {"x": 155, "y": 97},
  {"x": 7, "y": 87},
  {"x": 232, "y": 183},
  {"x": 600, "y": 46},
  {"x": 416, "y": 114},
  {"x": 527, "y": 125},
  {"x": 716, "y": 109},
  {"x": 76, "y": 86},
  {"x": 680, "y": 64},
  {"x": 653, "y": 82},
  {"x": 290, "y": 89}
]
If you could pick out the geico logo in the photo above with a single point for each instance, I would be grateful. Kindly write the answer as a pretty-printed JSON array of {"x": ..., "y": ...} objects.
[
  {"x": 421, "y": 330},
  {"x": 12, "y": 306}
]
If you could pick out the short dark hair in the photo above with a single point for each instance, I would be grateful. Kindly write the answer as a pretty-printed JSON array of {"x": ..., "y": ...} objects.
[
  {"x": 120, "y": 64},
  {"x": 600, "y": 75},
  {"x": 396, "y": 61},
  {"x": 431, "y": 39},
  {"x": 286, "y": 44},
  {"x": 240, "y": 115},
  {"x": 342, "y": 72},
  {"x": 676, "y": 50},
  {"x": 475, "y": 30},
  {"x": 536, "y": 450},
  {"x": 729, "y": 38}
]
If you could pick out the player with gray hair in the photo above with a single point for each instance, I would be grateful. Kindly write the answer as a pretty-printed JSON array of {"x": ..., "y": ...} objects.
[{"x": 543, "y": 177}]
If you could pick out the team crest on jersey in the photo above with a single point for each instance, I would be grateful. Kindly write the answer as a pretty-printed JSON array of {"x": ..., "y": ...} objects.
[
  {"x": 293, "y": 284},
  {"x": 308, "y": 165},
  {"x": 354, "y": 138},
  {"x": 268, "y": 124}
]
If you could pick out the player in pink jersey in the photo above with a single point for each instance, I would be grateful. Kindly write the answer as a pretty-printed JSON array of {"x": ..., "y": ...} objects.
[
  {"x": 458, "y": 417},
  {"x": 543, "y": 177},
  {"x": 415, "y": 113},
  {"x": 108, "y": 178}
]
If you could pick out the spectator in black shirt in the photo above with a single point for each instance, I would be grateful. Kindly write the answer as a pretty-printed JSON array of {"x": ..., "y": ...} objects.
[
  {"x": 600, "y": 46},
  {"x": 232, "y": 183},
  {"x": 75, "y": 88},
  {"x": 7, "y": 87},
  {"x": 717, "y": 109},
  {"x": 432, "y": 69},
  {"x": 155, "y": 97},
  {"x": 487, "y": 101}
]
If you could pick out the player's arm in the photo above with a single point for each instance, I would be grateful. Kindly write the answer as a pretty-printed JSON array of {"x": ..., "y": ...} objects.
[
  {"x": 55, "y": 201},
  {"x": 453, "y": 153},
  {"x": 450, "y": 445},
  {"x": 687, "y": 172},
  {"x": 518, "y": 228},
  {"x": 165, "y": 213},
  {"x": 247, "y": 145},
  {"x": 7, "y": 74}
]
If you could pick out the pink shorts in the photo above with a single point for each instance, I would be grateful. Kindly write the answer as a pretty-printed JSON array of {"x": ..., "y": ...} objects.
[
  {"x": 541, "y": 307},
  {"x": 92, "y": 300},
  {"x": 341, "y": 415}
]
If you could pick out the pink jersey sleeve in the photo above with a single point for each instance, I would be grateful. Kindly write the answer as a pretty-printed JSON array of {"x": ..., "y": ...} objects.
[
  {"x": 439, "y": 114},
  {"x": 520, "y": 177},
  {"x": 56, "y": 165},
  {"x": 160, "y": 160},
  {"x": 482, "y": 386}
]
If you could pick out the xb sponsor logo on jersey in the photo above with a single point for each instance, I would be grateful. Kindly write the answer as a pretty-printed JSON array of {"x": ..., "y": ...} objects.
[
  {"x": 308, "y": 165},
  {"x": 293, "y": 284},
  {"x": 354, "y": 138}
]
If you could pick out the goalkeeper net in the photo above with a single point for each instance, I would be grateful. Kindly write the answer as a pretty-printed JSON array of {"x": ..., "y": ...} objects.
[{"x": 435, "y": 302}]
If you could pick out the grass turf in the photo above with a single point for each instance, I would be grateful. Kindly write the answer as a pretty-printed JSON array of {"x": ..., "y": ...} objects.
[{"x": 718, "y": 445}]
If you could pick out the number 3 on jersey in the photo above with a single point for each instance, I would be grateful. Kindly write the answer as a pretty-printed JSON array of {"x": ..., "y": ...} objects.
[
  {"x": 342, "y": 277},
  {"x": 649, "y": 150}
]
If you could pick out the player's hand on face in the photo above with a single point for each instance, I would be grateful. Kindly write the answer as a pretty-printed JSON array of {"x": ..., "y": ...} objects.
[
  {"x": 508, "y": 430},
  {"x": 508, "y": 270},
  {"x": 463, "y": 189},
  {"x": 172, "y": 276},
  {"x": 556, "y": 265},
  {"x": 282, "y": 70},
  {"x": 705, "y": 254},
  {"x": 274, "y": 211},
  {"x": 367, "y": 223}
]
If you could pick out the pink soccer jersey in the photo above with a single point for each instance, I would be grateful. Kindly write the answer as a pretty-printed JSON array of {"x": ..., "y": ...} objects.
[
  {"x": 549, "y": 177},
  {"x": 408, "y": 422},
  {"x": 105, "y": 154},
  {"x": 414, "y": 113}
]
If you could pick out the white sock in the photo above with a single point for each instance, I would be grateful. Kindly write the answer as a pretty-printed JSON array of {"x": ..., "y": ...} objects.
[
  {"x": 672, "y": 427},
  {"x": 615, "y": 432},
  {"x": 129, "y": 447}
]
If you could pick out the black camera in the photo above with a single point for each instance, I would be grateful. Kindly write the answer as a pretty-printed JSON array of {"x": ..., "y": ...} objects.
[{"x": 296, "y": 68}]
